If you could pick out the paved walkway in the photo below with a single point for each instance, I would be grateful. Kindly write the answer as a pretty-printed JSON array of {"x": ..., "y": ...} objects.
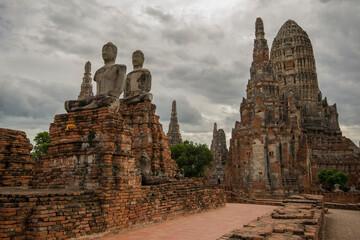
[
  {"x": 342, "y": 224},
  {"x": 202, "y": 226}
]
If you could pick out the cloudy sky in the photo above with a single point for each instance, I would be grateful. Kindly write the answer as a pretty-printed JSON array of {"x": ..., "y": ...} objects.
[{"x": 198, "y": 51}]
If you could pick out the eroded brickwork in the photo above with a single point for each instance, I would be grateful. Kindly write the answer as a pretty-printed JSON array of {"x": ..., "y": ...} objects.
[
  {"x": 148, "y": 136},
  {"x": 90, "y": 182},
  {"x": 294, "y": 67},
  {"x": 63, "y": 214},
  {"x": 88, "y": 150},
  {"x": 16, "y": 164},
  {"x": 174, "y": 128},
  {"x": 288, "y": 133},
  {"x": 219, "y": 152},
  {"x": 86, "y": 85},
  {"x": 267, "y": 154}
]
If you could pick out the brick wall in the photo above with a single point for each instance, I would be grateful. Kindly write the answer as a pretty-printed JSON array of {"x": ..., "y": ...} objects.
[
  {"x": 16, "y": 164},
  {"x": 62, "y": 214}
]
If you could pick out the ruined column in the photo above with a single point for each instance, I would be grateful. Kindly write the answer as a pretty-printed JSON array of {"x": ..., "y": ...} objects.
[
  {"x": 174, "y": 129},
  {"x": 219, "y": 151}
]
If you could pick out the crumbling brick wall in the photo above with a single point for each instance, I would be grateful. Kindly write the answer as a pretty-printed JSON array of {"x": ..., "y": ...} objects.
[
  {"x": 16, "y": 164},
  {"x": 63, "y": 214}
]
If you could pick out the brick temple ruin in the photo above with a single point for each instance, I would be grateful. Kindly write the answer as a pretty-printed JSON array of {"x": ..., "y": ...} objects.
[
  {"x": 174, "y": 127},
  {"x": 108, "y": 168},
  {"x": 219, "y": 151},
  {"x": 287, "y": 132}
]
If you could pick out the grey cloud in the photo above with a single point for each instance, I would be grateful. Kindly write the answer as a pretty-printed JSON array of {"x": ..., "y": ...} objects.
[
  {"x": 194, "y": 54},
  {"x": 22, "y": 97},
  {"x": 157, "y": 13},
  {"x": 187, "y": 114},
  {"x": 179, "y": 36},
  {"x": 220, "y": 85}
]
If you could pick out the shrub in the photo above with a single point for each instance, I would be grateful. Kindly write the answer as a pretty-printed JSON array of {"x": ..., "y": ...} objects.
[
  {"x": 192, "y": 157},
  {"x": 331, "y": 176}
]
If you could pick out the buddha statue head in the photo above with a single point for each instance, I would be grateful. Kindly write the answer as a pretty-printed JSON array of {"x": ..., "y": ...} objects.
[
  {"x": 138, "y": 59},
  {"x": 109, "y": 52}
]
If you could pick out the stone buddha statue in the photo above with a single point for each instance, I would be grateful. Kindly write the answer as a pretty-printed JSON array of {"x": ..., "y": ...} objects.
[
  {"x": 138, "y": 82},
  {"x": 110, "y": 83}
]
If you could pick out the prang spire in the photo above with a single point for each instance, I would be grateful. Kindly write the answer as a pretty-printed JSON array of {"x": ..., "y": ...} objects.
[
  {"x": 215, "y": 130},
  {"x": 261, "y": 49},
  {"x": 86, "y": 86},
  {"x": 259, "y": 29},
  {"x": 174, "y": 129}
]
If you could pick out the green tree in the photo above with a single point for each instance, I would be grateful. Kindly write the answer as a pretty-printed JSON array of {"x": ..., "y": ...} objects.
[
  {"x": 331, "y": 176},
  {"x": 192, "y": 157},
  {"x": 42, "y": 141}
]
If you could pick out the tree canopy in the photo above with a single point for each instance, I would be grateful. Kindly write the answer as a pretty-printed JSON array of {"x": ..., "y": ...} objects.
[
  {"x": 192, "y": 157},
  {"x": 331, "y": 176},
  {"x": 42, "y": 141}
]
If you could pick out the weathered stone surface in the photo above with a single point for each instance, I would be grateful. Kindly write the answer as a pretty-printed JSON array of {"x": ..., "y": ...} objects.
[
  {"x": 147, "y": 177},
  {"x": 110, "y": 80},
  {"x": 268, "y": 153},
  {"x": 302, "y": 217},
  {"x": 87, "y": 150},
  {"x": 16, "y": 163},
  {"x": 148, "y": 136},
  {"x": 174, "y": 129},
  {"x": 294, "y": 67},
  {"x": 288, "y": 132},
  {"x": 293, "y": 62},
  {"x": 86, "y": 85},
  {"x": 138, "y": 82},
  {"x": 219, "y": 151}
]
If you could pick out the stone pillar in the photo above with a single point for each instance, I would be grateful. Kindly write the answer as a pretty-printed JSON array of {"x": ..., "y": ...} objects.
[
  {"x": 174, "y": 129},
  {"x": 86, "y": 86}
]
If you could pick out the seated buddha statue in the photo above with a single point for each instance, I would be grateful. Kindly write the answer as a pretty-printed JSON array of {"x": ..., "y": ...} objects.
[
  {"x": 138, "y": 82},
  {"x": 110, "y": 83}
]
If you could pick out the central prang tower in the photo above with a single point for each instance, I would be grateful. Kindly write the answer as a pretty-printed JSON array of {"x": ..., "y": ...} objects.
[
  {"x": 293, "y": 61},
  {"x": 263, "y": 157}
]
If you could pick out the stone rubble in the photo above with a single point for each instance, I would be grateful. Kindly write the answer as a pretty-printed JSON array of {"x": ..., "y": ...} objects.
[{"x": 301, "y": 217}]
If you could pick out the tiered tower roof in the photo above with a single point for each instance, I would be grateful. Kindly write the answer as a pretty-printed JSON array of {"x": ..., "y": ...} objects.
[{"x": 293, "y": 62}]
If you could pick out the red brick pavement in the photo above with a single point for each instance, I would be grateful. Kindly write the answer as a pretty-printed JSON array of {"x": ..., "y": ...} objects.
[
  {"x": 342, "y": 225},
  {"x": 202, "y": 226}
]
